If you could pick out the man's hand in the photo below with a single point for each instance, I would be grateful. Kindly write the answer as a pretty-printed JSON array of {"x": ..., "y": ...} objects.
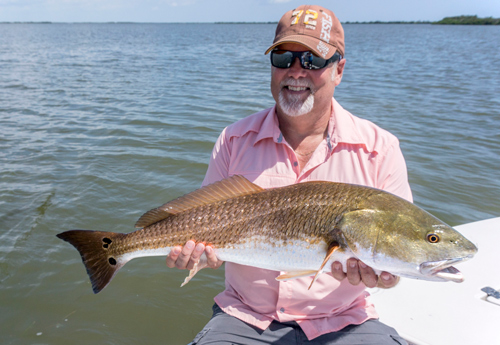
[
  {"x": 187, "y": 256},
  {"x": 358, "y": 272}
]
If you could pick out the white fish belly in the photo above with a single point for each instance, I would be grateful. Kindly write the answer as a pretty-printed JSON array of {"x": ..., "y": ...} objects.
[
  {"x": 294, "y": 255},
  {"x": 143, "y": 253},
  {"x": 258, "y": 251}
]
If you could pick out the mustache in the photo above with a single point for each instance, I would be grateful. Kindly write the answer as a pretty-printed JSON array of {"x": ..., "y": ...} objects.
[{"x": 302, "y": 82}]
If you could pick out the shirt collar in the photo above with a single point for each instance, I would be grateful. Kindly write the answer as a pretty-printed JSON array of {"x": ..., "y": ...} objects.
[
  {"x": 341, "y": 129},
  {"x": 270, "y": 127}
]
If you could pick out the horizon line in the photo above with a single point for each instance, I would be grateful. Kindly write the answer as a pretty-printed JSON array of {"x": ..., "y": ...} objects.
[{"x": 138, "y": 22}]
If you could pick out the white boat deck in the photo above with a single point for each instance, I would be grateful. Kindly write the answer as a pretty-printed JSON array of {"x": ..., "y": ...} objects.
[{"x": 433, "y": 313}]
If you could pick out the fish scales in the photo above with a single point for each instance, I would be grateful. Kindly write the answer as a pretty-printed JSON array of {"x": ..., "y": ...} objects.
[
  {"x": 286, "y": 226},
  {"x": 279, "y": 216}
]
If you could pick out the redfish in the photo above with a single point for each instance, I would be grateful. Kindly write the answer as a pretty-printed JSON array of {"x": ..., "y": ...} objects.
[{"x": 299, "y": 229}]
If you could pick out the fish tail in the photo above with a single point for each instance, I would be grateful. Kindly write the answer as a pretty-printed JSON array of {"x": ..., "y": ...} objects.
[{"x": 93, "y": 247}]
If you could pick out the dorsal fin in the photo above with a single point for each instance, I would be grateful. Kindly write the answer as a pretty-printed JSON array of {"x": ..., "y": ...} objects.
[{"x": 228, "y": 188}]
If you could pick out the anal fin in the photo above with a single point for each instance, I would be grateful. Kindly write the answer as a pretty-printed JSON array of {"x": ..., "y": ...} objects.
[{"x": 197, "y": 267}]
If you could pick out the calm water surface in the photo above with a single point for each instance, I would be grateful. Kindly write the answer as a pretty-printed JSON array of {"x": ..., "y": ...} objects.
[{"x": 100, "y": 123}]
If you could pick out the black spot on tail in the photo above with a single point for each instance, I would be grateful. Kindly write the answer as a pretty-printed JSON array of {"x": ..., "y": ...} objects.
[{"x": 106, "y": 242}]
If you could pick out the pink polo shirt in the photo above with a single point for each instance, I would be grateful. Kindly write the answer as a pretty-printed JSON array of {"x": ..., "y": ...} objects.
[{"x": 355, "y": 151}]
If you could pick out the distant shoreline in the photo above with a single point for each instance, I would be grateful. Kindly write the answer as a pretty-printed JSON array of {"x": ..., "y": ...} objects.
[
  {"x": 458, "y": 20},
  {"x": 468, "y": 20}
]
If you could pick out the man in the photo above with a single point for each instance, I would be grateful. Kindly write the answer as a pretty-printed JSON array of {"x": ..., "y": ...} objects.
[{"x": 306, "y": 136}]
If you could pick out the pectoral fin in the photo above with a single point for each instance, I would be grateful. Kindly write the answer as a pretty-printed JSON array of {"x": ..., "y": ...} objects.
[{"x": 333, "y": 247}]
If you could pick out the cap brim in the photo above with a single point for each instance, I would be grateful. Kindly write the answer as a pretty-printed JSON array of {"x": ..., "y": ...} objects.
[{"x": 309, "y": 42}]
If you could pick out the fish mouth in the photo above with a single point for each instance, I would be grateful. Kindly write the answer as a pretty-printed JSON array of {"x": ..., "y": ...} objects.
[{"x": 444, "y": 270}]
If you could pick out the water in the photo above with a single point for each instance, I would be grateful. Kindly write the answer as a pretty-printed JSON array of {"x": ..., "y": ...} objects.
[{"x": 99, "y": 123}]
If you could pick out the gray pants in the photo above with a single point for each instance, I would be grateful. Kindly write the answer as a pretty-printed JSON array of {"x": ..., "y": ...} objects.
[{"x": 225, "y": 329}]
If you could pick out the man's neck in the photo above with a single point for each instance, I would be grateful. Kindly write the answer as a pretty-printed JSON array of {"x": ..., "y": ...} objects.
[{"x": 306, "y": 131}]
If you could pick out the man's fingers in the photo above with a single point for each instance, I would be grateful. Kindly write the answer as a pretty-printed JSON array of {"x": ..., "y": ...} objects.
[
  {"x": 353, "y": 275},
  {"x": 212, "y": 260},
  {"x": 173, "y": 255},
  {"x": 358, "y": 272},
  {"x": 387, "y": 280},
  {"x": 195, "y": 255},
  {"x": 185, "y": 255},
  {"x": 337, "y": 271},
  {"x": 368, "y": 276}
]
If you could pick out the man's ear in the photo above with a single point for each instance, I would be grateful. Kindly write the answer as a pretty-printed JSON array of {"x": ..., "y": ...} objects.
[{"x": 339, "y": 72}]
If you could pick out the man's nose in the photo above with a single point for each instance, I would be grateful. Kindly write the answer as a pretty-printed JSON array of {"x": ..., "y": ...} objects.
[{"x": 296, "y": 69}]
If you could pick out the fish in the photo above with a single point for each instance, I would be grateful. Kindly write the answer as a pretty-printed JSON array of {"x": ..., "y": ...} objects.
[{"x": 297, "y": 230}]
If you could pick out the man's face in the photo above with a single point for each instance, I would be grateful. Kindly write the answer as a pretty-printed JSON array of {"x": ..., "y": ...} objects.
[{"x": 299, "y": 91}]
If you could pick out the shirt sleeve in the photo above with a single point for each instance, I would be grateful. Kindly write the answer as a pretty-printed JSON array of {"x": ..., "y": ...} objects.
[
  {"x": 218, "y": 167},
  {"x": 393, "y": 174}
]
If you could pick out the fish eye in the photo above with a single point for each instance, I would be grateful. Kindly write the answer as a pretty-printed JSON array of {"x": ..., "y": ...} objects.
[{"x": 433, "y": 238}]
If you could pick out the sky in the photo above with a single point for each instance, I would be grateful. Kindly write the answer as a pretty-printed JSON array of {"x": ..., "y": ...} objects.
[{"x": 168, "y": 11}]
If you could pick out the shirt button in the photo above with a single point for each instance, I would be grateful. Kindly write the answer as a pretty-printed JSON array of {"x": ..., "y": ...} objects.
[
  {"x": 295, "y": 164},
  {"x": 282, "y": 310}
]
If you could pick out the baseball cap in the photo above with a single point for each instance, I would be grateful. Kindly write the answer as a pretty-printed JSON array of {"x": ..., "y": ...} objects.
[{"x": 312, "y": 26}]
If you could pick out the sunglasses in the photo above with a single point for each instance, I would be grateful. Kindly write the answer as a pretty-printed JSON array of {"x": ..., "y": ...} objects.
[{"x": 285, "y": 59}]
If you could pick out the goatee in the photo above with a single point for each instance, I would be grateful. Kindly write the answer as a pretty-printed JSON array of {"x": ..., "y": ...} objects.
[{"x": 293, "y": 104}]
